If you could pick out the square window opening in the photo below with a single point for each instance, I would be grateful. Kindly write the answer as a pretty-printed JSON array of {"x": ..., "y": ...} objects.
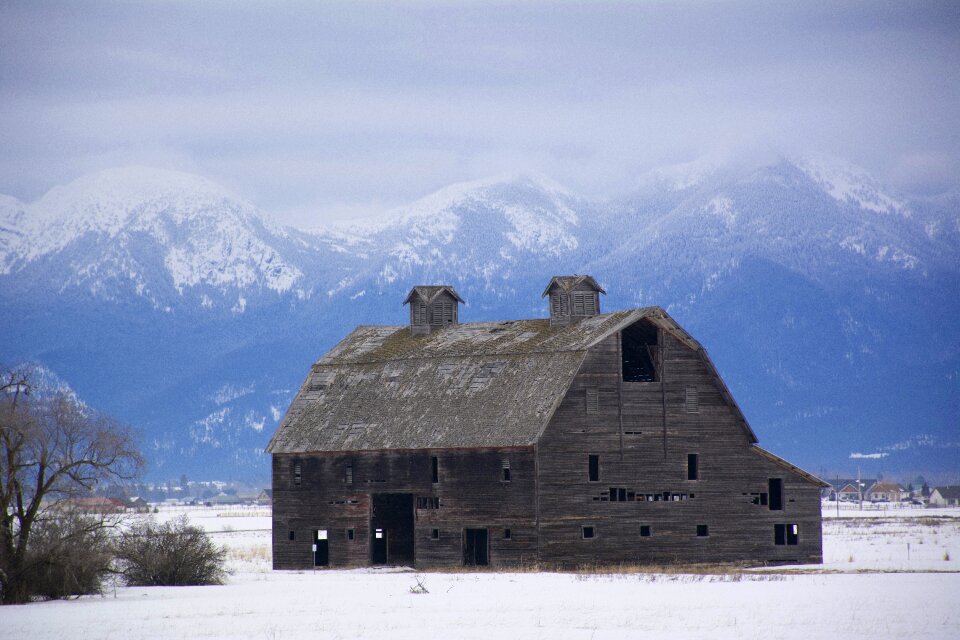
[
  {"x": 703, "y": 531},
  {"x": 434, "y": 534},
  {"x": 507, "y": 534},
  {"x": 588, "y": 532},
  {"x": 644, "y": 531}
]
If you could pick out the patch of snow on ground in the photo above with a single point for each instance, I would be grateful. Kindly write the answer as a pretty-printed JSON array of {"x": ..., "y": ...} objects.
[{"x": 907, "y": 599}]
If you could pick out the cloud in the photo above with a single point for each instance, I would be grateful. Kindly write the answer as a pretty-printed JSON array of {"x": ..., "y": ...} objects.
[
  {"x": 353, "y": 104},
  {"x": 868, "y": 456}
]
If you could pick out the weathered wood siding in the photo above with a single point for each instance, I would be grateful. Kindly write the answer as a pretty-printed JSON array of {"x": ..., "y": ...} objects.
[
  {"x": 643, "y": 433},
  {"x": 471, "y": 491}
]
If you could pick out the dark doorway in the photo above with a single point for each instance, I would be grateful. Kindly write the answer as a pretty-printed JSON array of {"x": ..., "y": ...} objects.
[
  {"x": 475, "y": 547},
  {"x": 321, "y": 548},
  {"x": 391, "y": 529}
]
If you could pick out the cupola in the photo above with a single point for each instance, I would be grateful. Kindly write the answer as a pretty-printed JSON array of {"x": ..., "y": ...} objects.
[
  {"x": 432, "y": 306},
  {"x": 572, "y": 298}
]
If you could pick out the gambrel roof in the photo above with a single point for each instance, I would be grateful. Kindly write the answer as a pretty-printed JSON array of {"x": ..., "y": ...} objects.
[{"x": 473, "y": 385}]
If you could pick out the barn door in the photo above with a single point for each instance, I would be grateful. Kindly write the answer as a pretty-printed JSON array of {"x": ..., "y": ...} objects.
[
  {"x": 391, "y": 528},
  {"x": 378, "y": 547},
  {"x": 475, "y": 547},
  {"x": 321, "y": 550}
]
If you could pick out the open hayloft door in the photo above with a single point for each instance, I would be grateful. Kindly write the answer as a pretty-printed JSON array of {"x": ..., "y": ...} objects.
[{"x": 391, "y": 528}]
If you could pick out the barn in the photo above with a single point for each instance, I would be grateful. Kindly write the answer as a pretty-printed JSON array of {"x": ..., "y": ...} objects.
[{"x": 581, "y": 438}]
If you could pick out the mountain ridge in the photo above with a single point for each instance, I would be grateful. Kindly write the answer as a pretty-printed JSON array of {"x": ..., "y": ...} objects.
[{"x": 184, "y": 294}]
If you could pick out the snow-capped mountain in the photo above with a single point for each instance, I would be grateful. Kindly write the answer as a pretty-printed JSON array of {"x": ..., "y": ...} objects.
[
  {"x": 481, "y": 231},
  {"x": 827, "y": 301},
  {"x": 145, "y": 232}
]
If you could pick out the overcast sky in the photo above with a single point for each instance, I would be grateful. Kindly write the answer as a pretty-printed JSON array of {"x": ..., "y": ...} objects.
[{"x": 317, "y": 111}]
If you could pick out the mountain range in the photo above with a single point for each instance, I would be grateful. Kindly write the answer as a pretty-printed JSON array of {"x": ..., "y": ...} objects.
[{"x": 828, "y": 302}]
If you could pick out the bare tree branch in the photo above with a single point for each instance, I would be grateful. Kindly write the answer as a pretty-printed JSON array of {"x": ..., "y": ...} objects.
[{"x": 51, "y": 449}]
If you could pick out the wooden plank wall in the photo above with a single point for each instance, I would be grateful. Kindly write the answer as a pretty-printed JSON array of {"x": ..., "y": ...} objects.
[
  {"x": 471, "y": 491},
  {"x": 655, "y": 461}
]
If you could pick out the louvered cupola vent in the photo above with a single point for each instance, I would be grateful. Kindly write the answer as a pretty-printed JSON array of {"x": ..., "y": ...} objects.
[
  {"x": 572, "y": 298},
  {"x": 431, "y": 307}
]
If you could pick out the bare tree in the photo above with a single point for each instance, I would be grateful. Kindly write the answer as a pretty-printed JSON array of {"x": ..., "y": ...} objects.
[{"x": 51, "y": 449}]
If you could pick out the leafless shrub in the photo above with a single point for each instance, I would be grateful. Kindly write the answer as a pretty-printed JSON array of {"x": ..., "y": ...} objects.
[
  {"x": 173, "y": 554},
  {"x": 69, "y": 555}
]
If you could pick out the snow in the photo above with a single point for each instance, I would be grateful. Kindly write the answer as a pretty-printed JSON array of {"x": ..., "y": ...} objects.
[
  {"x": 534, "y": 210},
  {"x": 866, "y": 589},
  {"x": 846, "y": 182},
  {"x": 206, "y": 234}
]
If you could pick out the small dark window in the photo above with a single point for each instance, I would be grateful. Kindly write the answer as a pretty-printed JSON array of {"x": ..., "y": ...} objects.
[
  {"x": 703, "y": 531},
  {"x": 507, "y": 535},
  {"x": 593, "y": 463},
  {"x": 618, "y": 494},
  {"x": 350, "y": 534},
  {"x": 506, "y": 471},
  {"x": 776, "y": 494},
  {"x": 434, "y": 534},
  {"x": 348, "y": 474},
  {"x": 428, "y": 502},
  {"x": 593, "y": 400},
  {"x": 693, "y": 470},
  {"x": 434, "y": 469},
  {"x": 644, "y": 531},
  {"x": 297, "y": 473},
  {"x": 292, "y": 535},
  {"x": 779, "y": 534},
  {"x": 693, "y": 400},
  {"x": 588, "y": 533}
]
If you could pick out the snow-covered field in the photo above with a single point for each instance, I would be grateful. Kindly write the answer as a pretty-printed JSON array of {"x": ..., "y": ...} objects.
[{"x": 868, "y": 587}]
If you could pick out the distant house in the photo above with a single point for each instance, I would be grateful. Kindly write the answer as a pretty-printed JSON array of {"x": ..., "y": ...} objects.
[
  {"x": 265, "y": 497},
  {"x": 137, "y": 503},
  {"x": 885, "y": 492},
  {"x": 945, "y": 496},
  {"x": 224, "y": 499},
  {"x": 575, "y": 439},
  {"x": 96, "y": 504},
  {"x": 849, "y": 489}
]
